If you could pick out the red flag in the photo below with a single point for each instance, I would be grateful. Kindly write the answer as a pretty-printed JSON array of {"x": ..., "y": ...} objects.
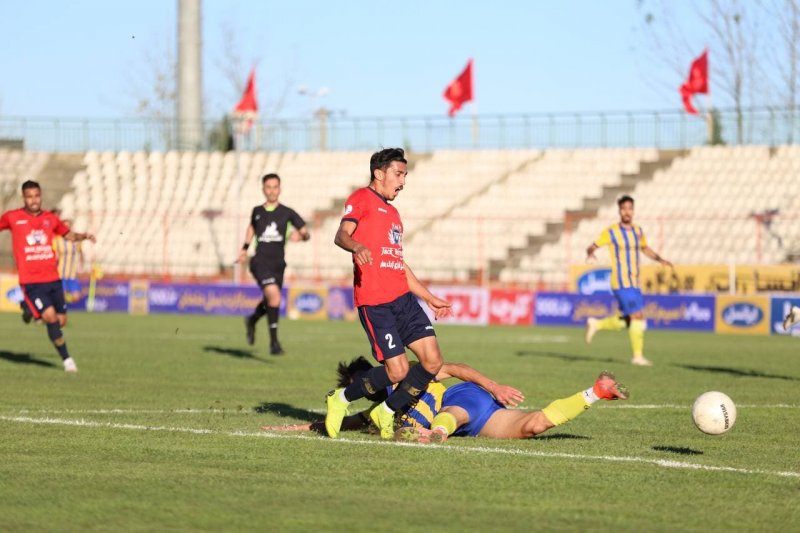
[
  {"x": 248, "y": 102},
  {"x": 459, "y": 91},
  {"x": 247, "y": 108},
  {"x": 697, "y": 83}
]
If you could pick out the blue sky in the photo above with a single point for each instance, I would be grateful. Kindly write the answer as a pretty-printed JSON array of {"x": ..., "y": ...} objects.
[{"x": 84, "y": 58}]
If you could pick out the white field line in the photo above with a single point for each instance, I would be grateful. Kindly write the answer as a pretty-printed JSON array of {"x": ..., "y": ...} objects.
[
  {"x": 663, "y": 463},
  {"x": 248, "y": 411}
]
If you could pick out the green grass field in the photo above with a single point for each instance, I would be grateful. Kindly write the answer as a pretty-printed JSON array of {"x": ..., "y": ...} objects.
[{"x": 160, "y": 430}]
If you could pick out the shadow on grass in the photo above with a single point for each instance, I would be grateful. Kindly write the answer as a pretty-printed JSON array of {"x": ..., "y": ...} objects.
[
  {"x": 284, "y": 409},
  {"x": 25, "y": 359},
  {"x": 562, "y": 436},
  {"x": 567, "y": 356},
  {"x": 235, "y": 352},
  {"x": 736, "y": 372},
  {"x": 681, "y": 450}
]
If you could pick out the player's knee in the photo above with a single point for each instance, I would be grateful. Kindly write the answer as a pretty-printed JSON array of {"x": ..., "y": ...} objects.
[
  {"x": 62, "y": 320},
  {"x": 397, "y": 369},
  {"x": 433, "y": 366},
  {"x": 535, "y": 424},
  {"x": 49, "y": 316}
]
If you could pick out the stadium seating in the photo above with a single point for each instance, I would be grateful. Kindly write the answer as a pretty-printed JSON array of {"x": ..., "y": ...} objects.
[
  {"x": 716, "y": 205},
  {"x": 511, "y": 210},
  {"x": 17, "y": 166},
  {"x": 184, "y": 213}
]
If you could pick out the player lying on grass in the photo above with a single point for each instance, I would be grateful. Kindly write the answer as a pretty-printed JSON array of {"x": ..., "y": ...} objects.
[{"x": 468, "y": 410}]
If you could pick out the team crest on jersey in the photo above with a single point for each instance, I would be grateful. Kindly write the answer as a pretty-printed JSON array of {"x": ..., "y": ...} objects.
[
  {"x": 395, "y": 234},
  {"x": 35, "y": 237},
  {"x": 271, "y": 234}
]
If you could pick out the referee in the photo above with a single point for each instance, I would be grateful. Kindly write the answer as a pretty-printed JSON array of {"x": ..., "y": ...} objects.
[{"x": 269, "y": 223}]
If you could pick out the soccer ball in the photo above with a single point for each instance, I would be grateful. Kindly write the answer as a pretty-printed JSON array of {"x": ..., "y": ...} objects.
[{"x": 714, "y": 413}]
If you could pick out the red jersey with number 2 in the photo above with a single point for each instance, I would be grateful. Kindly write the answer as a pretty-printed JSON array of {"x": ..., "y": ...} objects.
[
  {"x": 32, "y": 241},
  {"x": 379, "y": 229}
]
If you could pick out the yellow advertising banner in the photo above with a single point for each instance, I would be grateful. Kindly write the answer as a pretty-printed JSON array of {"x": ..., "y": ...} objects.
[
  {"x": 307, "y": 303},
  {"x": 710, "y": 279},
  {"x": 138, "y": 303},
  {"x": 10, "y": 293},
  {"x": 748, "y": 315}
]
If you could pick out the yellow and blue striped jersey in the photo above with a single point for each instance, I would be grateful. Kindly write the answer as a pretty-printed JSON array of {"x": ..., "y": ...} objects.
[
  {"x": 422, "y": 412},
  {"x": 68, "y": 253},
  {"x": 624, "y": 245}
]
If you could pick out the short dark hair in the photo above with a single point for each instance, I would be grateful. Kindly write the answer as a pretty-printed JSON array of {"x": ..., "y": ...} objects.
[
  {"x": 346, "y": 373},
  {"x": 270, "y": 176},
  {"x": 624, "y": 198},
  {"x": 383, "y": 158},
  {"x": 30, "y": 184}
]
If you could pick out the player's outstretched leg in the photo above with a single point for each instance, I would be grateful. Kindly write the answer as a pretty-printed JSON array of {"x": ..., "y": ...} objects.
[
  {"x": 792, "y": 318},
  {"x": 593, "y": 325},
  {"x": 607, "y": 388}
]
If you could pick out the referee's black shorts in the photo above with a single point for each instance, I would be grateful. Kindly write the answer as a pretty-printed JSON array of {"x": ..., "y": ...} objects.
[{"x": 268, "y": 273}]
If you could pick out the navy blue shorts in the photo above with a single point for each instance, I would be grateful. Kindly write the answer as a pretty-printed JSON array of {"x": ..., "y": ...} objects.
[
  {"x": 392, "y": 326},
  {"x": 630, "y": 301},
  {"x": 479, "y": 405},
  {"x": 40, "y": 296}
]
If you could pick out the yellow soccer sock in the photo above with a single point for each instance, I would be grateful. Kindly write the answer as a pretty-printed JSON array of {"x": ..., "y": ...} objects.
[
  {"x": 636, "y": 334},
  {"x": 445, "y": 421},
  {"x": 563, "y": 410},
  {"x": 613, "y": 322}
]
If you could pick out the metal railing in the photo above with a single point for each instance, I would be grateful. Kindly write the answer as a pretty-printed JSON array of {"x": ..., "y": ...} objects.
[{"x": 660, "y": 129}]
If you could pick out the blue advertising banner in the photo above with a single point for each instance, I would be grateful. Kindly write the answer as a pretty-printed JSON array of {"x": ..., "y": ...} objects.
[
  {"x": 780, "y": 308},
  {"x": 594, "y": 281},
  {"x": 661, "y": 311},
  {"x": 206, "y": 299},
  {"x": 568, "y": 309},
  {"x": 109, "y": 297},
  {"x": 340, "y": 303},
  {"x": 694, "y": 313}
]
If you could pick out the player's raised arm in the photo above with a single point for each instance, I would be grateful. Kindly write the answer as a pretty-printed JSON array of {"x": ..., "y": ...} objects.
[
  {"x": 344, "y": 240},
  {"x": 502, "y": 393}
]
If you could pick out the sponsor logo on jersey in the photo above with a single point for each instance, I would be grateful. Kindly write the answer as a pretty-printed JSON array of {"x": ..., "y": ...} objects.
[
  {"x": 36, "y": 237},
  {"x": 382, "y": 210},
  {"x": 271, "y": 234},
  {"x": 396, "y": 234}
]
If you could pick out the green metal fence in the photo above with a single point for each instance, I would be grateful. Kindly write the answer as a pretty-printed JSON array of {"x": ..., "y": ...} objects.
[{"x": 661, "y": 129}]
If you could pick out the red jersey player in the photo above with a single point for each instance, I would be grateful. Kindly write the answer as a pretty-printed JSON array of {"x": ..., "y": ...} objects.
[
  {"x": 32, "y": 232},
  {"x": 386, "y": 292}
]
